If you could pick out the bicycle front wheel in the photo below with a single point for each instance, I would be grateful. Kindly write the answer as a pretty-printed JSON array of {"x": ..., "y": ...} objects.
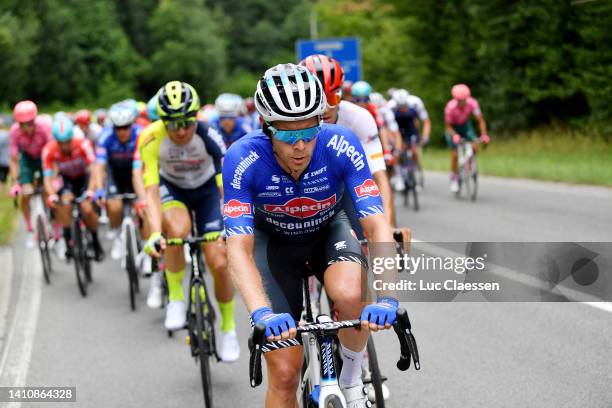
[
  {"x": 130, "y": 265},
  {"x": 202, "y": 337},
  {"x": 377, "y": 379},
  {"x": 78, "y": 255},
  {"x": 43, "y": 247}
]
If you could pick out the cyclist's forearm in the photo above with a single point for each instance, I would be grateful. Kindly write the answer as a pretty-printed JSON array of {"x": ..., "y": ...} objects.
[
  {"x": 154, "y": 211},
  {"x": 93, "y": 180},
  {"x": 138, "y": 184},
  {"x": 382, "y": 181},
  {"x": 48, "y": 184},
  {"x": 100, "y": 173},
  {"x": 426, "y": 128},
  {"x": 482, "y": 124},
  {"x": 244, "y": 272},
  {"x": 14, "y": 169},
  {"x": 377, "y": 229},
  {"x": 449, "y": 129}
]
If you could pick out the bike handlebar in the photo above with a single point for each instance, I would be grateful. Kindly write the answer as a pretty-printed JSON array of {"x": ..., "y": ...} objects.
[{"x": 259, "y": 346}]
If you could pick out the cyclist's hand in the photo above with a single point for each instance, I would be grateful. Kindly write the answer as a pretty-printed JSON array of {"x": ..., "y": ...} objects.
[
  {"x": 485, "y": 138},
  {"x": 155, "y": 245},
  {"x": 100, "y": 195},
  {"x": 456, "y": 138},
  {"x": 91, "y": 195},
  {"x": 424, "y": 141},
  {"x": 380, "y": 315},
  {"x": 52, "y": 200},
  {"x": 140, "y": 205},
  {"x": 279, "y": 326},
  {"x": 15, "y": 190},
  {"x": 388, "y": 156}
]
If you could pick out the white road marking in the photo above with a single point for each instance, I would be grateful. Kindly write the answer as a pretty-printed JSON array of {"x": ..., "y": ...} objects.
[{"x": 17, "y": 351}]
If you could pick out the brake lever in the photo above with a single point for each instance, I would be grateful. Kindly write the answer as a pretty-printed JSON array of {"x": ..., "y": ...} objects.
[
  {"x": 256, "y": 341},
  {"x": 408, "y": 346}
]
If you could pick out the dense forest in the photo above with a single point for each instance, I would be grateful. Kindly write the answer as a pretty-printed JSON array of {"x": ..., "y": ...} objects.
[{"x": 529, "y": 62}]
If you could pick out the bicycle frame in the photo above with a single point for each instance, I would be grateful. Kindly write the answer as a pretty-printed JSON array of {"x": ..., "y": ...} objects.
[{"x": 465, "y": 156}]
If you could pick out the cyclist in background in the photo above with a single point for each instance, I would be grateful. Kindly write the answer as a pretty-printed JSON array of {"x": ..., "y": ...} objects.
[
  {"x": 252, "y": 114},
  {"x": 5, "y": 154},
  {"x": 330, "y": 74},
  {"x": 414, "y": 125},
  {"x": 457, "y": 115},
  {"x": 100, "y": 115},
  {"x": 181, "y": 160},
  {"x": 114, "y": 153},
  {"x": 273, "y": 232},
  {"x": 142, "y": 119},
  {"x": 28, "y": 136},
  {"x": 91, "y": 130},
  {"x": 73, "y": 159},
  {"x": 229, "y": 123}
]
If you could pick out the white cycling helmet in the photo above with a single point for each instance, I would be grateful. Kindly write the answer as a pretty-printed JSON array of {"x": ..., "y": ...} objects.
[
  {"x": 228, "y": 105},
  {"x": 123, "y": 113},
  {"x": 401, "y": 97},
  {"x": 289, "y": 92},
  {"x": 377, "y": 99}
]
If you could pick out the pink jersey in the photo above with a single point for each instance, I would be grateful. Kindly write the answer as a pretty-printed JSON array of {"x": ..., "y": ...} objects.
[
  {"x": 73, "y": 166},
  {"x": 33, "y": 145},
  {"x": 457, "y": 115}
]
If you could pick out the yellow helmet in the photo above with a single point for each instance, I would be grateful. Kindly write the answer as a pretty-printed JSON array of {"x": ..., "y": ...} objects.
[{"x": 177, "y": 100}]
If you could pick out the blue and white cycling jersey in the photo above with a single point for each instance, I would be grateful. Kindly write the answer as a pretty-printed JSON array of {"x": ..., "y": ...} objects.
[
  {"x": 241, "y": 128},
  {"x": 260, "y": 194},
  {"x": 118, "y": 156}
]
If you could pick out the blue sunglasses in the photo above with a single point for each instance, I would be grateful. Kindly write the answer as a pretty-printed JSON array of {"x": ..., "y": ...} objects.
[{"x": 294, "y": 136}]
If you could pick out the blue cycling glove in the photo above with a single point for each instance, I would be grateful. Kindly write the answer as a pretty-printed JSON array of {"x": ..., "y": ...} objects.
[
  {"x": 100, "y": 194},
  {"x": 276, "y": 323},
  {"x": 381, "y": 312}
]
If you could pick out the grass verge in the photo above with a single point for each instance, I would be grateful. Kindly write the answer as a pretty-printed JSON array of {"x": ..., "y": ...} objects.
[
  {"x": 8, "y": 218},
  {"x": 544, "y": 154}
]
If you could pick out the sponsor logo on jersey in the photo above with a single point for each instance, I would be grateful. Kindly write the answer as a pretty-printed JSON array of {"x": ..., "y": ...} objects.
[
  {"x": 272, "y": 188},
  {"x": 343, "y": 146},
  {"x": 316, "y": 189},
  {"x": 340, "y": 245},
  {"x": 300, "y": 228},
  {"x": 289, "y": 190},
  {"x": 302, "y": 207},
  {"x": 270, "y": 194},
  {"x": 242, "y": 167},
  {"x": 275, "y": 179},
  {"x": 235, "y": 208},
  {"x": 315, "y": 181},
  {"x": 367, "y": 188}
]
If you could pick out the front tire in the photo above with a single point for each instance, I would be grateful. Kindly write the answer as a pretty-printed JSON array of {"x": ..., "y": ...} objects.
[{"x": 204, "y": 356}]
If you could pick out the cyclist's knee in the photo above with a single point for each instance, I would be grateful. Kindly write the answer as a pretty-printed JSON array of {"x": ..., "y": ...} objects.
[
  {"x": 217, "y": 261},
  {"x": 114, "y": 206},
  {"x": 283, "y": 373},
  {"x": 349, "y": 302}
]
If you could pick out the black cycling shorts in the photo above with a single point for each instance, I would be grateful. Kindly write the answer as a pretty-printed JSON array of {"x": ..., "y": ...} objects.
[
  {"x": 283, "y": 264},
  {"x": 117, "y": 183}
]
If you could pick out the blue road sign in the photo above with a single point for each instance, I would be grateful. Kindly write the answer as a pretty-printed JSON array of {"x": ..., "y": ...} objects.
[{"x": 345, "y": 50}]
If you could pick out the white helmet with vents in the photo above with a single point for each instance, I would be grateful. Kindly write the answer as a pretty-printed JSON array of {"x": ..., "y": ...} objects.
[{"x": 289, "y": 92}]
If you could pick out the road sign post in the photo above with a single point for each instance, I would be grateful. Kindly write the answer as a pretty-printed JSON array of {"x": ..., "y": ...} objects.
[{"x": 346, "y": 50}]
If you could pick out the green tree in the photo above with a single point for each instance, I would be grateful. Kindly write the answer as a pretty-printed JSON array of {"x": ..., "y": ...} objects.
[
  {"x": 188, "y": 46},
  {"x": 81, "y": 44},
  {"x": 17, "y": 49}
]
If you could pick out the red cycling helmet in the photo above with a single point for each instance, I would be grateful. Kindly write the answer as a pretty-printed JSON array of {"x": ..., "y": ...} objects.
[
  {"x": 25, "y": 111},
  {"x": 250, "y": 104},
  {"x": 330, "y": 74},
  {"x": 83, "y": 117},
  {"x": 460, "y": 92}
]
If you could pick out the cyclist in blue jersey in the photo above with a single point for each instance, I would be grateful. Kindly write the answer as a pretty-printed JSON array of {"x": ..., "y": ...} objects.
[
  {"x": 283, "y": 188},
  {"x": 229, "y": 124},
  {"x": 114, "y": 153}
]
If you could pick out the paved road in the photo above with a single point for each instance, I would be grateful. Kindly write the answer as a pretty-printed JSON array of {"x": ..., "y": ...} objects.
[{"x": 473, "y": 354}]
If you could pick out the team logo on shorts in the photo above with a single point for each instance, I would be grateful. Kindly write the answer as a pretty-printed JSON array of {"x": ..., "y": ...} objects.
[
  {"x": 235, "y": 209},
  {"x": 367, "y": 188},
  {"x": 302, "y": 207}
]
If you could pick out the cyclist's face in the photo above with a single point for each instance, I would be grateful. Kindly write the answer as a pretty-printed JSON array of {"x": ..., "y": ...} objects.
[
  {"x": 294, "y": 158},
  {"x": 331, "y": 114},
  {"x": 27, "y": 127},
  {"x": 65, "y": 147},
  {"x": 227, "y": 124},
  {"x": 123, "y": 133},
  {"x": 182, "y": 135}
]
